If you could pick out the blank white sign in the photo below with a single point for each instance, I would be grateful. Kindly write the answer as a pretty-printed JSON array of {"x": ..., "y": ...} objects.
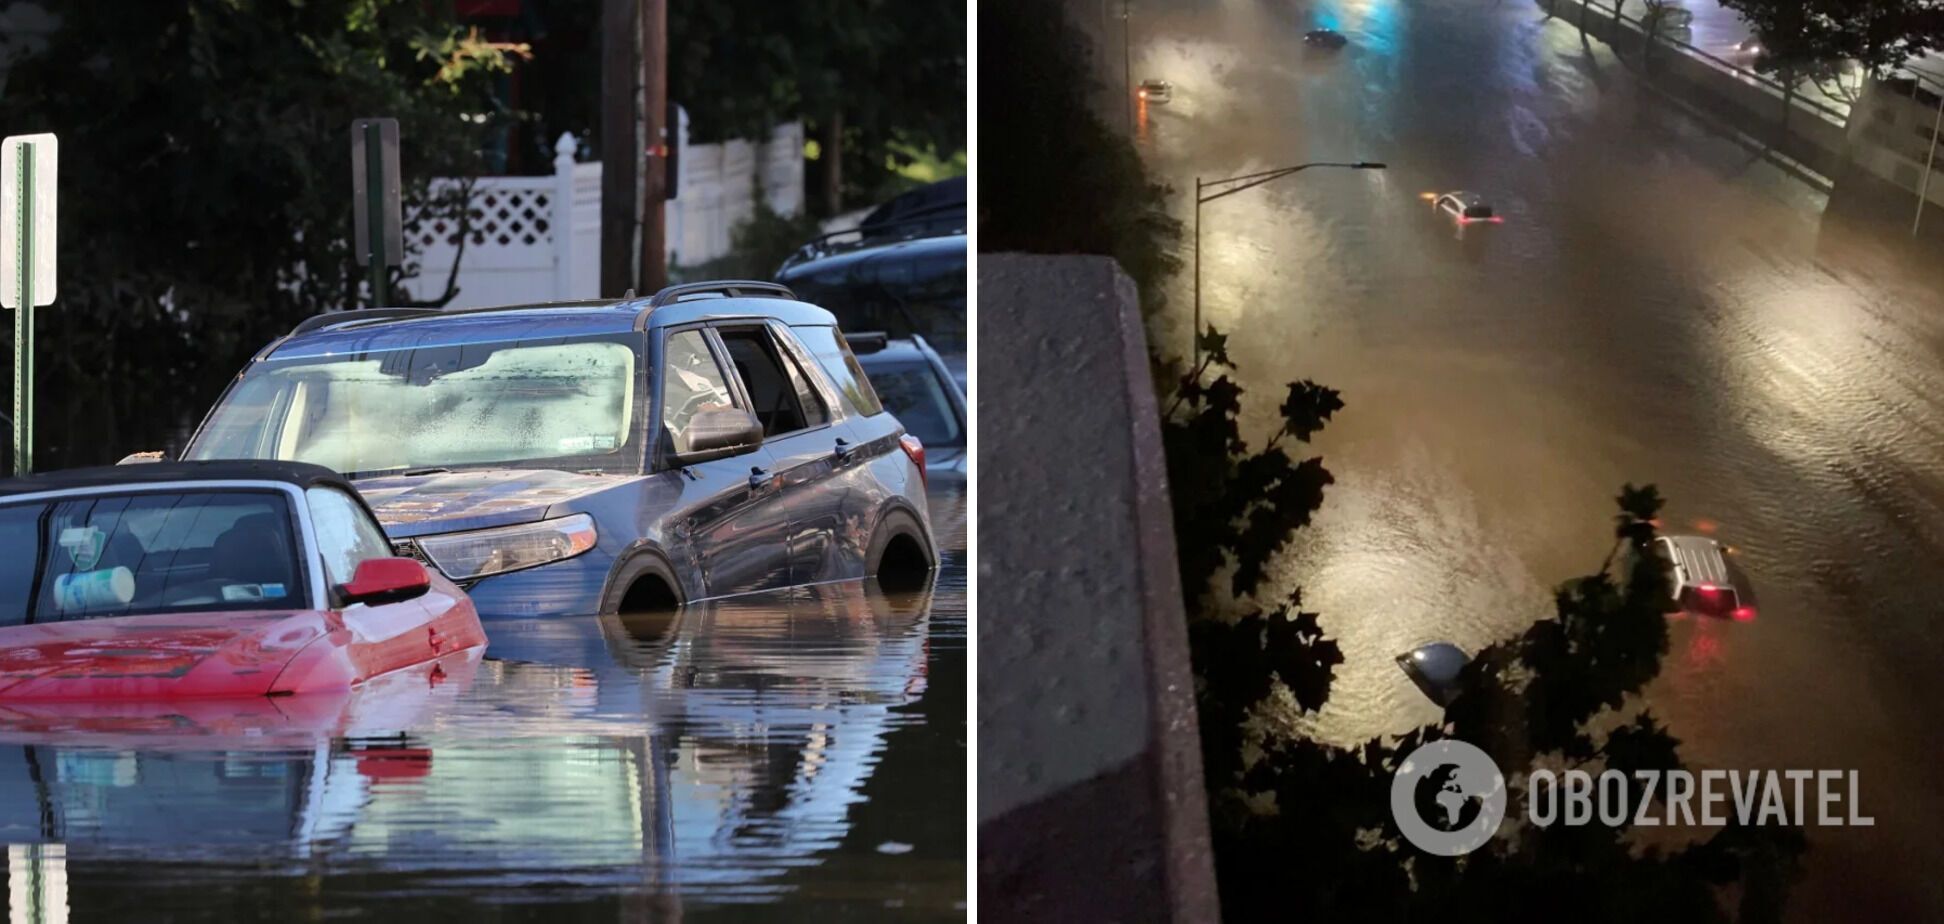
[{"x": 45, "y": 149}]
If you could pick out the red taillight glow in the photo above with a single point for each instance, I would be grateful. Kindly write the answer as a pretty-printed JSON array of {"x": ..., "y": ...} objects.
[
  {"x": 915, "y": 448},
  {"x": 1744, "y": 614},
  {"x": 1141, "y": 93}
]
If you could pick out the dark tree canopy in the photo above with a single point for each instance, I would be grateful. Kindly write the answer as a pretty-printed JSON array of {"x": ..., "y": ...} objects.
[
  {"x": 205, "y": 186},
  {"x": 894, "y": 70},
  {"x": 1053, "y": 178}
]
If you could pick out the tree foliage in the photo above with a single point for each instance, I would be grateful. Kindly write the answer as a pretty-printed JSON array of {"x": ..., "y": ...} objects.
[
  {"x": 893, "y": 70},
  {"x": 1816, "y": 39},
  {"x": 1303, "y": 830},
  {"x": 205, "y": 185}
]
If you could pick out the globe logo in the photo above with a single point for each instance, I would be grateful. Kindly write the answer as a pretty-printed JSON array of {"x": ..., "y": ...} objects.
[{"x": 1448, "y": 798}]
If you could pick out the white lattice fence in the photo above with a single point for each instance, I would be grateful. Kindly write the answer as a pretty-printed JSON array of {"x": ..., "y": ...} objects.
[{"x": 538, "y": 238}]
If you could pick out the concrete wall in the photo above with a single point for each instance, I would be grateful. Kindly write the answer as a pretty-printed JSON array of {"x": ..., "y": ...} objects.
[
  {"x": 1891, "y": 133},
  {"x": 1806, "y": 131},
  {"x": 1091, "y": 805}
]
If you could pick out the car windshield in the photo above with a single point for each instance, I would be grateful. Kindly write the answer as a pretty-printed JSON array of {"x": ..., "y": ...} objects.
[
  {"x": 554, "y": 403},
  {"x": 915, "y": 394},
  {"x": 900, "y": 293},
  {"x": 99, "y": 555}
]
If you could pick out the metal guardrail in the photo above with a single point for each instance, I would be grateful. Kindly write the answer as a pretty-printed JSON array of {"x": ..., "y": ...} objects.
[{"x": 1774, "y": 86}]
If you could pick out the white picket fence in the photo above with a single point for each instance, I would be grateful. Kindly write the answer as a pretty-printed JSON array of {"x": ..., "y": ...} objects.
[{"x": 539, "y": 238}]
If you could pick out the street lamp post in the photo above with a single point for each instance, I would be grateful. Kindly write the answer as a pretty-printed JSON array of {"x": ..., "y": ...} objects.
[{"x": 1247, "y": 181}]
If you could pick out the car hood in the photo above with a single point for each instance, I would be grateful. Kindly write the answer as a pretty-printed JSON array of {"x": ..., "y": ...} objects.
[
  {"x": 417, "y": 505},
  {"x": 155, "y": 657}
]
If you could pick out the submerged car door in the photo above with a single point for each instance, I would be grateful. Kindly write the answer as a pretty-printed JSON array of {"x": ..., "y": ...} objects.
[
  {"x": 802, "y": 440},
  {"x": 394, "y": 635},
  {"x": 736, "y": 529}
]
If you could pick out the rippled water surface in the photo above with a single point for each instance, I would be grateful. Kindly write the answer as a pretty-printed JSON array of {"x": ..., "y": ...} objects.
[{"x": 789, "y": 756}]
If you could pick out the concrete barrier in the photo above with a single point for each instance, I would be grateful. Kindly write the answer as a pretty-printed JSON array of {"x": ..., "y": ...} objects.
[
  {"x": 1091, "y": 805},
  {"x": 1806, "y": 131}
]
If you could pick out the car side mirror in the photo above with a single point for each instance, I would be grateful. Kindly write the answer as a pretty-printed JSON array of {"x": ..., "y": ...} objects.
[
  {"x": 719, "y": 434},
  {"x": 379, "y": 581}
]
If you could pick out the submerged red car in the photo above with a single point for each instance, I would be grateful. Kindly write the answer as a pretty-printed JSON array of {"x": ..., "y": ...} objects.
[{"x": 200, "y": 579}]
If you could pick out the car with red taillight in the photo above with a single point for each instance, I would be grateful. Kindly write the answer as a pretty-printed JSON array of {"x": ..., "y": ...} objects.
[
  {"x": 218, "y": 579},
  {"x": 1705, "y": 579},
  {"x": 917, "y": 386},
  {"x": 1464, "y": 208}
]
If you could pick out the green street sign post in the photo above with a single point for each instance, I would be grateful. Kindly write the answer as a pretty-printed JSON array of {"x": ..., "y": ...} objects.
[
  {"x": 377, "y": 229},
  {"x": 27, "y": 175}
]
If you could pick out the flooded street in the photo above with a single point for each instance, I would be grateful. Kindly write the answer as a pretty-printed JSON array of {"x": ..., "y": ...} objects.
[
  {"x": 797, "y": 755},
  {"x": 1660, "y": 305}
]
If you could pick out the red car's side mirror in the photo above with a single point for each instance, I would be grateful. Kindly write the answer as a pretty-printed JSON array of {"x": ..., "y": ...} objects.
[{"x": 379, "y": 581}]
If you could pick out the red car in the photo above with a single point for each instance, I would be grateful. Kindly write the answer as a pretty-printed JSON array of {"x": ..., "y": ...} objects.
[{"x": 209, "y": 579}]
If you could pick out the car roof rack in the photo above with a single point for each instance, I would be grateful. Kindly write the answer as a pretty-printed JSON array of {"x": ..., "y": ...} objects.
[
  {"x": 728, "y": 288},
  {"x": 361, "y": 315}
]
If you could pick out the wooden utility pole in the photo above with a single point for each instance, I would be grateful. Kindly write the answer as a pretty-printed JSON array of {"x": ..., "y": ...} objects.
[
  {"x": 620, "y": 144},
  {"x": 657, "y": 138}
]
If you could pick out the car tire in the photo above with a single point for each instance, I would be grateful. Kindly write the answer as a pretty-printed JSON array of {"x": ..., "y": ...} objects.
[{"x": 893, "y": 545}]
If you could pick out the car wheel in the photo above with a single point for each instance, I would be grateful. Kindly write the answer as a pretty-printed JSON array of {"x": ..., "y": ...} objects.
[{"x": 901, "y": 555}]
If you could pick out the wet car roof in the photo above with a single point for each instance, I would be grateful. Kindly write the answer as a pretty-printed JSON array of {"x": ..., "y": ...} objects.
[
  {"x": 529, "y": 322},
  {"x": 301, "y": 474},
  {"x": 864, "y": 255}
]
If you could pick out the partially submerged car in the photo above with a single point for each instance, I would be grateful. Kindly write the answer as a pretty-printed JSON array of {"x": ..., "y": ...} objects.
[
  {"x": 176, "y": 580},
  {"x": 1464, "y": 207},
  {"x": 1325, "y": 38},
  {"x": 1155, "y": 90},
  {"x": 578, "y": 458},
  {"x": 918, "y": 388},
  {"x": 1704, "y": 578}
]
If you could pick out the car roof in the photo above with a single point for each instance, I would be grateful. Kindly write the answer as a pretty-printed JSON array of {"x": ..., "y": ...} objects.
[
  {"x": 139, "y": 475},
  {"x": 1155, "y": 82},
  {"x": 1699, "y": 559},
  {"x": 872, "y": 253},
  {"x": 390, "y": 328}
]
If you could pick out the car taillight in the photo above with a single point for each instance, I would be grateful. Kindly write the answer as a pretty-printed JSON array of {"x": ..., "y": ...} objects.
[
  {"x": 1744, "y": 614},
  {"x": 1141, "y": 93},
  {"x": 915, "y": 448}
]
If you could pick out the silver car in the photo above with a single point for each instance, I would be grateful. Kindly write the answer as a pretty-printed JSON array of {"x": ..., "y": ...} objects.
[{"x": 599, "y": 456}]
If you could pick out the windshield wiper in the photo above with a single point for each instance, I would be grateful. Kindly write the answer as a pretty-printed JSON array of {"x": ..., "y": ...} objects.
[{"x": 425, "y": 471}]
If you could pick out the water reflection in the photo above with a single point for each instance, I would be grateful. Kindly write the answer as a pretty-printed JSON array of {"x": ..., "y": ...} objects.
[{"x": 645, "y": 764}]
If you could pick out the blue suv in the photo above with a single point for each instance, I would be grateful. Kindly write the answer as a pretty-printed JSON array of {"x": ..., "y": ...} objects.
[{"x": 603, "y": 456}]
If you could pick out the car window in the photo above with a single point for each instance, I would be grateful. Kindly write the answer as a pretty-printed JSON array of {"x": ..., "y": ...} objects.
[
  {"x": 815, "y": 412},
  {"x": 385, "y": 410},
  {"x": 123, "y": 554},
  {"x": 692, "y": 382},
  {"x": 346, "y": 535},
  {"x": 1478, "y": 211},
  {"x": 833, "y": 355},
  {"x": 759, "y": 365}
]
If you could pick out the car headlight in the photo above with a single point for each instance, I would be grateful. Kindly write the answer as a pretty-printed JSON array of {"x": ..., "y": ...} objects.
[{"x": 482, "y": 552}]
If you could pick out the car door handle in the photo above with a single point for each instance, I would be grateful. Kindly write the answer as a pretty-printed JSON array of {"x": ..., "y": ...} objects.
[
  {"x": 758, "y": 478},
  {"x": 845, "y": 448}
]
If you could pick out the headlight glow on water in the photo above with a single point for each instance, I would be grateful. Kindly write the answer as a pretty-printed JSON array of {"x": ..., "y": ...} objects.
[{"x": 482, "y": 552}]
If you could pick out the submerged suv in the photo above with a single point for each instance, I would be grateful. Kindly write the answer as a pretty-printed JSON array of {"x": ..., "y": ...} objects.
[{"x": 577, "y": 458}]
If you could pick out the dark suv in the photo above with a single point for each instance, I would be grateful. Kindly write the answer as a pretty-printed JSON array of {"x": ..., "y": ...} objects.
[{"x": 715, "y": 439}]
